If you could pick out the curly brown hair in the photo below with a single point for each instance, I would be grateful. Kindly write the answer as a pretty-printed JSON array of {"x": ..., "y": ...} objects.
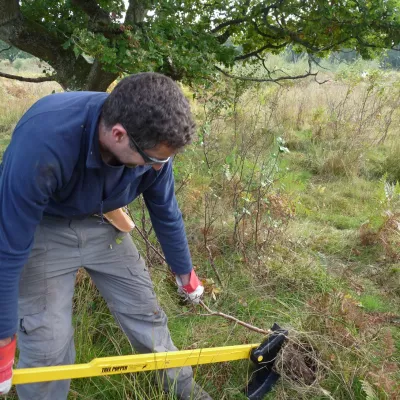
[{"x": 153, "y": 110}]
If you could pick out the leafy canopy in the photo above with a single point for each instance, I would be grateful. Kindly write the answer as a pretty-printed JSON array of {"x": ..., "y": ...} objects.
[{"x": 186, "y": 39}]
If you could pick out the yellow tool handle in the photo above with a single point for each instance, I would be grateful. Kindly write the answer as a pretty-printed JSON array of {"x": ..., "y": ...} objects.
[{"x": 133, "y": 363}]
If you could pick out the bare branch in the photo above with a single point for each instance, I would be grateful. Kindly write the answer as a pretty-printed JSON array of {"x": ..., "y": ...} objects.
[
  {"x": 213, "y": 265},
  {"x": 183, "y": 183},
  {"x": 321, "y": 83},
  {"x": 311, "y": 57},
  {"x": 148, "y": 242},
  {"x": 145, "y": 239},
  {"x": 229, "y": 317},
  {"x": 310, "y": 61},
  {"x": 261, "y": 49},
  {"x": 267, "y": 69},
  {"x": 8, "y": 48},
  {"x": 274, "y": 80},
  {"x": 25, "y": 79}
]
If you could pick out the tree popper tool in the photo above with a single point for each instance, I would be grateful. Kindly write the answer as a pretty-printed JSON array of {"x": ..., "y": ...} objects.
[{"x": 263, "y": 356}]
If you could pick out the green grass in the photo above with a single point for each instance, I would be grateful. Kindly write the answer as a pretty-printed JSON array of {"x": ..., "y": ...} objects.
[{"x": 374, "y": 303}]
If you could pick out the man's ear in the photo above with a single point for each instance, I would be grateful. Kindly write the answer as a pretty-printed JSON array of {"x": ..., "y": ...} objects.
[{"x": 118, "y": 132}]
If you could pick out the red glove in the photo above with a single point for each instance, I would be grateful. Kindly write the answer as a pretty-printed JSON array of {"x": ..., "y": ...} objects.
[
  {"x": 193, "y": 290},
  {"x": 6, "y": 363}
]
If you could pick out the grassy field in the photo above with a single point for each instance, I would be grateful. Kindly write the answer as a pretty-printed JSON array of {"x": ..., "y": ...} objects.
[{"x": 290, "y": 194}]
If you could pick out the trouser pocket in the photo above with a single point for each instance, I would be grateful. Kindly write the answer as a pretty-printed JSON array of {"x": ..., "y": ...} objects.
[{"x": 37, "y": 326}]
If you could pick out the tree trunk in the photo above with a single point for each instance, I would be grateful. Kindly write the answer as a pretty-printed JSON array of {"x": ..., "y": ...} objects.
[{"x": 71, "y": 73}]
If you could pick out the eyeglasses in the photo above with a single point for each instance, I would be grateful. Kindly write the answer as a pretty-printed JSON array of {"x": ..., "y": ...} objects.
[{"x": 147, "y": 159}]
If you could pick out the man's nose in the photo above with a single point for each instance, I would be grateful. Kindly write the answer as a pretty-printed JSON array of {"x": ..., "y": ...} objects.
[{"x": 157, "y": 167}]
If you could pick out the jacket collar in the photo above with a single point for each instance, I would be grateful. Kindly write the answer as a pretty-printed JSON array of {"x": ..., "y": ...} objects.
[{"x": 93, "y": 158}]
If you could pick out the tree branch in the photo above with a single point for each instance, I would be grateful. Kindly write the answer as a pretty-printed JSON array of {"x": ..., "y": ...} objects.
[
  {"x": 145, "y": 238},
  {"x": 230, "y": 318},
  {"x": 136, "y": 11},
  {"x": 275, "y": 80},
  {"x": 213, "y": 265},
  {"x": 28, "y": 35},
  {"x": 8, "y": 48},
  {"x": 231, "y": 23},
  {"x": 9, "y": 10},
  {"x": 34, "y": 38},
  {"x": 278, "y": 31},
  {"x": 99, "y": 19},
  {"x": 24, "y": 79},
  {"x": 265, "y": 11},
  {"x": 97, "y": 15},
  {"x": 261, "y": 49},
  {"x": 236, "y": 21}
]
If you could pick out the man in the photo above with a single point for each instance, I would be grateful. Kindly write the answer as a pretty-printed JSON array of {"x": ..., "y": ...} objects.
[{"x": 73, "y": 158}]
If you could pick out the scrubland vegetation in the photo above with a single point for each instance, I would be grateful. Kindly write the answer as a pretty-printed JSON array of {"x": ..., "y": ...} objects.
[{"x": 291, "y": 199}]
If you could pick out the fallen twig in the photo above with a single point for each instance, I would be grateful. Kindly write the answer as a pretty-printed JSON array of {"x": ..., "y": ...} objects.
[{"x": 227, "y": 316}]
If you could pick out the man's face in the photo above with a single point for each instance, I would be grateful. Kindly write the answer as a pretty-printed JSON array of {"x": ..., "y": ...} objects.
[{"x": 116, "y": 143}]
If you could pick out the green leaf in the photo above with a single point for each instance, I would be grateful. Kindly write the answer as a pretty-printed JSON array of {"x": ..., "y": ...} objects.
[
  {"x": 77, "y": 51},
  {"x": 66, "y": 44},
  {"x": 119, "y": 240}
]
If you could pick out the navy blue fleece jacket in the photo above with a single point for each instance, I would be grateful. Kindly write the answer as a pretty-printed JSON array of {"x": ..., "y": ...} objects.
[{"x": 53, "y": 166}]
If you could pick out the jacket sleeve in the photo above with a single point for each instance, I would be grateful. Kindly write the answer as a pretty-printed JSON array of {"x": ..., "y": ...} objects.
[
  {"x": 29, "y": 174},
  {"x": 167, "y": 221}
]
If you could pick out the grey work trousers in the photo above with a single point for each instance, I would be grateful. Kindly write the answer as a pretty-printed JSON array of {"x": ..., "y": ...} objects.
[{"x": 46, "y": 335}]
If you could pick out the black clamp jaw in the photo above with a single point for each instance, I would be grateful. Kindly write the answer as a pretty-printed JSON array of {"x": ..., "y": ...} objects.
[{"x": 264, "y": 357}]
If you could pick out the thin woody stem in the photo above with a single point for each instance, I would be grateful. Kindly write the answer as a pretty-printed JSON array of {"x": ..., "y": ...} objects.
[
  {"x": 146, "y": 240},
  {"x": 227, "y": 316},
  {"x": 211, "y": 312},
  {"x": 213, "y": 265}
]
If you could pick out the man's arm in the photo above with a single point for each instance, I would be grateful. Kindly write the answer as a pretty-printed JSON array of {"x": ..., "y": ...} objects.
[
  {"x": 167, "y": 221},
  {"x": 168, "y": 224}
]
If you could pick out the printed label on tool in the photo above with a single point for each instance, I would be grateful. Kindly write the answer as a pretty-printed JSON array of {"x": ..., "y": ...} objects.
[{"x": 116, "y": 368}]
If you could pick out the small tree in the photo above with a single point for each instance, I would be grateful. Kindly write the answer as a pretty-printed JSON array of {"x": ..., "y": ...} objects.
[{"x": 89, "y": 43}]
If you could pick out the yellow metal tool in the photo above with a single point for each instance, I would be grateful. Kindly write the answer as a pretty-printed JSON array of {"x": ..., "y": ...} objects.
[{"x": 133, "y": 363}]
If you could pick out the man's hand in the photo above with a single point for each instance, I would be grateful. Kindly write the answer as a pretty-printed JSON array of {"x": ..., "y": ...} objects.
[
  {"x": 190, "y": 287},
  {"x": 7, "y": 352}
]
